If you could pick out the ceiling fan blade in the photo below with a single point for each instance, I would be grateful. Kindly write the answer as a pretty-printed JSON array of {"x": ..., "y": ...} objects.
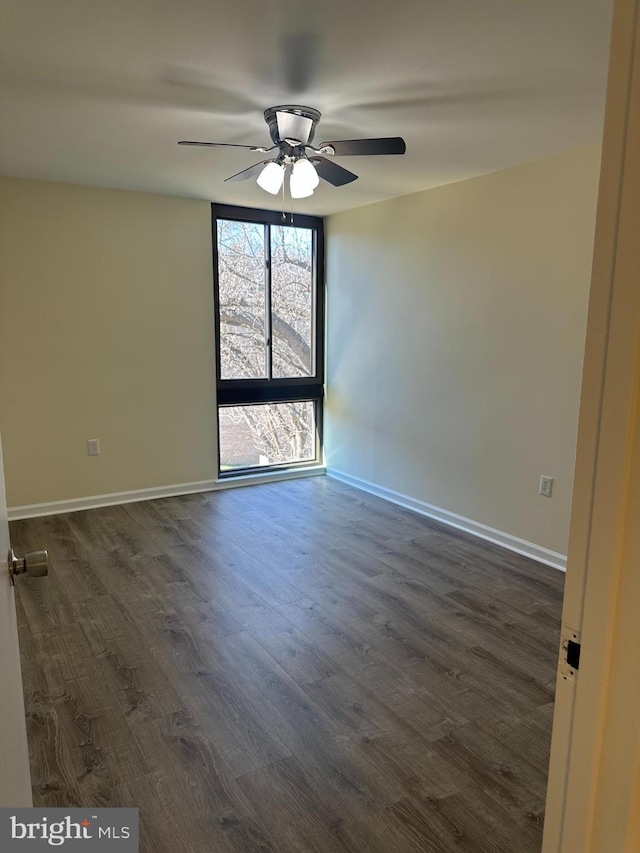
[
  {"x": 359, "y": 147},
  {"x": 223, "y": 145},
  {"x": 332, "y": 172},
  {"x": 251, "y": 172},
  {"x": 299, "y": 52},
  {"x": 203, "y": 87},
  {"x": 476, "y": 93}
]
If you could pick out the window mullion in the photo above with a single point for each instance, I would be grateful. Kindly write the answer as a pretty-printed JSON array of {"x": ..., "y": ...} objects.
[
  {"x": 314, "y": 304},
  {"x": 267, "y": 300}
]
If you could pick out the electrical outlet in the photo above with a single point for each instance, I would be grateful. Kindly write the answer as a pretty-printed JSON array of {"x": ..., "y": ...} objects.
[
  {"x": 93, "y": 447},
  {"x": 546, "y": 486}
]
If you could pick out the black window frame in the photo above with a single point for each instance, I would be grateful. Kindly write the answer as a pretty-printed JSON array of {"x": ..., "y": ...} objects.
[{"x": 244, "y": 392}]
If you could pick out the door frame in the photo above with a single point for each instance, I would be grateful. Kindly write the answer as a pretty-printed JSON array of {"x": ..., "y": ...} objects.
[{"x": 595, "y": 757}]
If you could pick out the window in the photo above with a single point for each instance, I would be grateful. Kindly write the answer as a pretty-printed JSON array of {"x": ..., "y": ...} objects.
[{"x": 269, "y": 338}]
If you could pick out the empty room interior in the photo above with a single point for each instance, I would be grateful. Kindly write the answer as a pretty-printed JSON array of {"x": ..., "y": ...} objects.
[{"x": 293, "y": 409}]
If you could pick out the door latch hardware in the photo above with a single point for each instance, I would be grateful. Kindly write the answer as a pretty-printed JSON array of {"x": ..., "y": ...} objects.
[
  {"x": 570, "y": 648},
  {"x": 35, "y": 564},
  {"x": 573, "y": 654}
]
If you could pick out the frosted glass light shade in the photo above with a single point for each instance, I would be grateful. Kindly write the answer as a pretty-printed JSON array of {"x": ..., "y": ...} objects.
[
  {"x": 271, "y": 178},
  {"x": 304, "y": 179}
]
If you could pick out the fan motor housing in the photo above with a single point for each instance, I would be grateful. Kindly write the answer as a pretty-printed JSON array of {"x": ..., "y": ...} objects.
[{"x": 270, "y": 116}]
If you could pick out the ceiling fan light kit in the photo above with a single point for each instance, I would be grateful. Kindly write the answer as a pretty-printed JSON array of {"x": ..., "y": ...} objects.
[
  {"x": 292, "y": 129},
  {"x": 271, "y": 177},
  {"x": 304, "y": 179}
]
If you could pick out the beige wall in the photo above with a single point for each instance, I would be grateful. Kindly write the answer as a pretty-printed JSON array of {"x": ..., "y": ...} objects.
[
  {"x": 456, "y": 324},
  {"x": 106, "y": 331}
]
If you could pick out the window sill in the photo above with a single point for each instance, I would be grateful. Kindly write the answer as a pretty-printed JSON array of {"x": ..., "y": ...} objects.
[{"x": 255, "y": 477}]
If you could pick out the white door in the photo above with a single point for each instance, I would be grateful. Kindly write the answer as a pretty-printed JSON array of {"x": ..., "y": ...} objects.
[
  {"x": 15, "y": 781},
  {"x": 594, "y": 775}
]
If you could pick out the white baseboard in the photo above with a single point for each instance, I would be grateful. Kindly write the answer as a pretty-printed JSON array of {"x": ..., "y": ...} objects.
[
  {"x": 451, "y": 519},
  {"x": 16, "y": 513}
]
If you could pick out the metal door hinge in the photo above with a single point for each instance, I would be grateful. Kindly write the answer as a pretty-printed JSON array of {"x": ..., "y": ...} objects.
[{"x": 570, "y": 648}]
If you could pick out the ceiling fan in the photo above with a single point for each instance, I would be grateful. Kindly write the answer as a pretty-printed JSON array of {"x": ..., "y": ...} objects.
[{"x": 292, "y": 129}]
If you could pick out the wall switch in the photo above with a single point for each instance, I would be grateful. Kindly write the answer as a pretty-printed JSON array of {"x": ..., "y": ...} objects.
[
  {"x": 93, "y": 447},
  {"x": 546, "y": 486}
]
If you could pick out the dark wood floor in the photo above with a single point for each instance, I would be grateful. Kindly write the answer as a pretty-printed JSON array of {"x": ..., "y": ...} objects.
[{"x": 290, "y": 667}]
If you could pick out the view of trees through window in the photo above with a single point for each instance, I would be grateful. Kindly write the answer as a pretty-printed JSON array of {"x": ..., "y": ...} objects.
[
  {"x": 266, "y": 309},
  {"x": 266, "y": 434}
]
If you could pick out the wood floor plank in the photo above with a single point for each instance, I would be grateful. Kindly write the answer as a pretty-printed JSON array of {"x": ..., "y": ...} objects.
[
  {"x": 299, "y": 656},
  {"x": 171, "y": 818},
  {"x": 247, "y": 739},
  {"x": 431, "y": 710},
  {"x": 340, "y": 642},
  {"x": 183, "y": 753},
  {"x": 283, "y": 794},
  {"x": 292, "y": 667},
  {"x": 353, "y": 707}
]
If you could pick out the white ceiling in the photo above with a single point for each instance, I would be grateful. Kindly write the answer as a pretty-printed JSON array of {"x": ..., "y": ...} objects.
[{"x": 99, "y": 91}]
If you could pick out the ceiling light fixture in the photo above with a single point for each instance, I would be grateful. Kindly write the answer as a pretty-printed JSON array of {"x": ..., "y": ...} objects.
[
  {"x": 271, "y": 177},
  {"x": 292, "y": 129},
  {"x": 304, "y": 178}
]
